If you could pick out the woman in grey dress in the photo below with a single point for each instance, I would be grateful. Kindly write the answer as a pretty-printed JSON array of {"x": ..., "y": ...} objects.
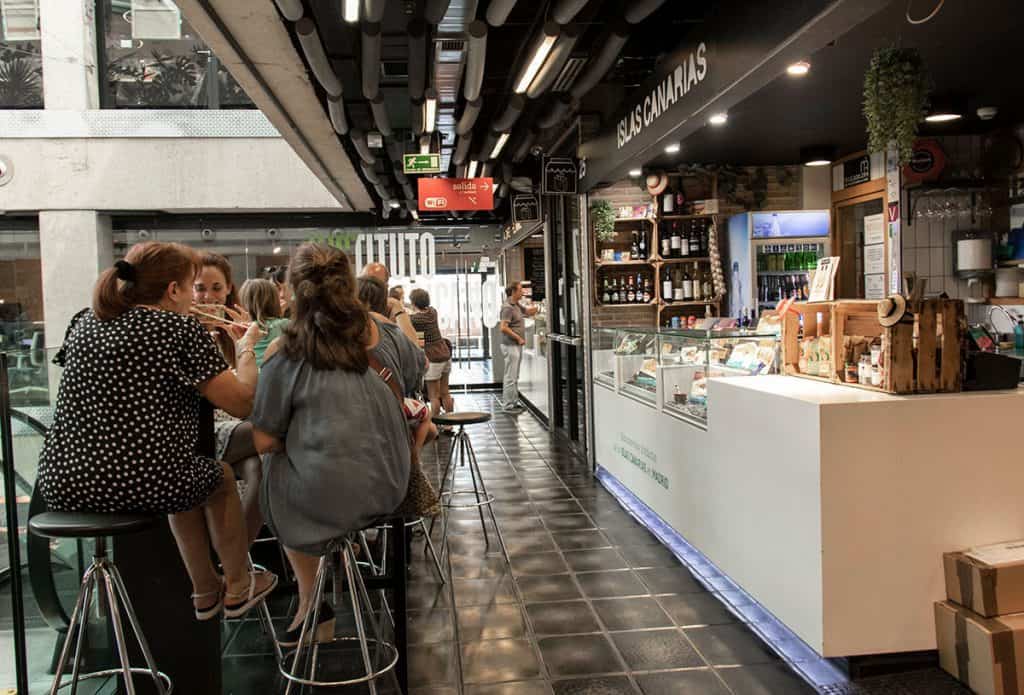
[{"x": 336, "y": 441}]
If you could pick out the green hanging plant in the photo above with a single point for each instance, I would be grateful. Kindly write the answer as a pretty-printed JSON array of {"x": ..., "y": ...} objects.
[
  {"x": 604, "y": 220},
  {"x": 896, "y": 88}
]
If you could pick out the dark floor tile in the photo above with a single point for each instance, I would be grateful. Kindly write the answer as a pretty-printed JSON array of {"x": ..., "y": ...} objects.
[
  {"x": 651, "y": 650},
  {"x": 580, "y": 540},
  {"x": 554, "y": 507},
  {"x": 539, "y": 564},
  {"x": 632, "y": 537},
  {"x": 556, "y": 587},
  {"x": 726, "y": 645},
  {"x": 528, "y": 543},
  {"x": 480, "y": 592},
  {"x": 578, "y": 655},
  {"x": 431, "y": 664},
  {"x": 649, "y": 556},
  {"x": 502, "y": 621},
  {"x": 426, "y": 595},
  {"x": 610, "y": 584},
  {"x": 249, "y": 639},
  {"x": 568, "y": 522},
  {"x": 473, "y": 566},
  {"x": 693, "y": 682},
  {"x": 764, "y": 679},
  {"x": 594, "y": 560},
  {"x": 607, "y": 685},
  {"x": 670, "y": 580},
  {"x": 434, "y": 690},
  {"x": 494, "y": 661},
  {"x": 631, "y": 613},
  {"x": 428, "y": 627},
  {"x": 562, "y": 618},
  {"x": 554, "y": 493},
  {"x": 696, "y": 609},
  {"x": 518, "y": 688},
  {"x": 244, "y": 675}
]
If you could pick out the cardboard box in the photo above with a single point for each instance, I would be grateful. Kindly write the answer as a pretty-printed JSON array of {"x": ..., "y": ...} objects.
[
  {"x": 985, "y": 654},
  {"x": 988, "y": 579},
  {"x": 705, "y": 207}
]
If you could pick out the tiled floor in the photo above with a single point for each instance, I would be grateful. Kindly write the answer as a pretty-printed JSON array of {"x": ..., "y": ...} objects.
[{"x": 592, "y": 603}]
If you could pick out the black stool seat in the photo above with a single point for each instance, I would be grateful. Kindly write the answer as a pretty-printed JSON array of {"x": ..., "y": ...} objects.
[
  {"x": 462, "y": 418},
  {"x": 88, "y": 524}
]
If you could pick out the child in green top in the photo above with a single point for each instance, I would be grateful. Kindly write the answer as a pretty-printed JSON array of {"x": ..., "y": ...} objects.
[{"x": 260, "y": 299}]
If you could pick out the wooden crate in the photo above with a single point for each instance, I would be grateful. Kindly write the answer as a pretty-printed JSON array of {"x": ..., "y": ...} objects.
[{"x": 937, "y": 325}]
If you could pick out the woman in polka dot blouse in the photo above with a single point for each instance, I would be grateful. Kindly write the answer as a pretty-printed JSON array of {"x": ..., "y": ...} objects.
[{"x": 127, "y": 421}]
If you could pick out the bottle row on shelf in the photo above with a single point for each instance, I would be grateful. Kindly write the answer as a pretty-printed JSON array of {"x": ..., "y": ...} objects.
[
  {"x": 774, "y": 288},
  {"x": 685, "y": 284},
  {"x": 676, "y": 239},
  {"x": 776, "y": 258},
  {"x": 627, "y": 289}
]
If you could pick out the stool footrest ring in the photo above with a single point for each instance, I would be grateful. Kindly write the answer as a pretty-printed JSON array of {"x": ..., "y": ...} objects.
[{"x": 392, "y": 655}]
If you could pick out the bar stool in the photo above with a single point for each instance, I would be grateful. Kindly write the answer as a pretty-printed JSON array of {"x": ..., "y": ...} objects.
[
  {"x": 101, "y": 572},
  {"x": 304, "y": 657},
  {"x": 462, "y": 448}
]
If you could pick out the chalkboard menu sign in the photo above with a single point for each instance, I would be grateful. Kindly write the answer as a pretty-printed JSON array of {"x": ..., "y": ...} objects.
[{"x": 533, "y": 267}]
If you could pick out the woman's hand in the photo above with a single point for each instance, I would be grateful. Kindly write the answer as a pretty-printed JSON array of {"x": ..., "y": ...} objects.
[
  {"x": 251, "y": 336},
  {"x": 237, "y": 332}
]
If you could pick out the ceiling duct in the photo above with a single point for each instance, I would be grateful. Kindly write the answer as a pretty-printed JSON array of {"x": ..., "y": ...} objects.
[
  {"x": 521, "y": 184},
  {"x": 486, "y": 170},
  {"x": 508, "y": 118},
  {"x": 564, "y": 10},
  {"x": 373, "y": 10},
  {"x": 462, "y": 150},
  {"x": 490, "y": 140},
  {"x": 602, "y": 62},
  {"x": 502, "y": 191},
  {"x": 382, "y": 190},
  {"x": 507, "y": 171},
  {"x": 559, "y": 110},
  {"x": 400, "y": 176},
  {"x": 416, "y": 116},
  {"x": 434, "y": 10},
  {"x": 569, "y": 73},
  {"x": 336, "y": 110},
  {"x": 469, "y": 115},
  {"x": 309, "y": 39},
  {"x": 552, "y": 67},
  {"x": 476, "y": 53},
  {"x": 395, "y": 149},
  {"x": 369, "y": 172},
  {"x": 407, "y": 189},
  {"x": 417, "y": 31},
  {"x": 371, "y": 59},
  {"x": 524, "y": 146},
  {"x": 380, "y": 115},
  {"x": 290, "y": 9},
  {"x": 498, "y": 11},
  {"x": 638, "y": 10},
  {"x": 358, "y": 139}
]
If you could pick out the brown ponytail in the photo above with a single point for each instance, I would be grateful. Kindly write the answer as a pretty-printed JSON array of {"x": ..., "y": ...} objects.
[
  {"x": 330, "y": 326},
  {"x": 142, "y": 277}
]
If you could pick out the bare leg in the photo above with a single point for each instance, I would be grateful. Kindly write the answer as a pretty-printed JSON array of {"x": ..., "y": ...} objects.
[
  {"x": 434, "y": 394},
  {"x": 305, "y": 567},
  {"x": 189, "y": 529},
  {"x": 251, "y": 471},
  {"x": 446, "y": 396}
]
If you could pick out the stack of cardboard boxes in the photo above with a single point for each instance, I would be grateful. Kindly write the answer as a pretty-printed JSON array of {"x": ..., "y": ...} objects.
[{"x": 980, "y": 629}]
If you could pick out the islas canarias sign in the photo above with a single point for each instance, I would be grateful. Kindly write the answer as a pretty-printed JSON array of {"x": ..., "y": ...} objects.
[{"x": 689, "y": 72}]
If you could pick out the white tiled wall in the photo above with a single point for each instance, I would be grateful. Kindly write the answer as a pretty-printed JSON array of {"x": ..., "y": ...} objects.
[{"x": 928, "y": 251}]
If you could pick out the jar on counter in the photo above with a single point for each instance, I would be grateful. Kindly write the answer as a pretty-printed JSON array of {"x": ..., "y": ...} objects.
[
  {"x": 864, "y": 370},
  {"x": 876, "y": 354},
  {"x": 851, "y": 373},
  {"x": 876, "y": 375}
]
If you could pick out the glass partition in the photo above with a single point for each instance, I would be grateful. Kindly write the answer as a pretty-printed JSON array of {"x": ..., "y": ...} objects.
[{"x": 21, "y": 59}]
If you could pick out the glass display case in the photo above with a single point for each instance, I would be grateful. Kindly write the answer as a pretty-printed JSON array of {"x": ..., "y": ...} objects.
[{"x": 668, "y": 369}]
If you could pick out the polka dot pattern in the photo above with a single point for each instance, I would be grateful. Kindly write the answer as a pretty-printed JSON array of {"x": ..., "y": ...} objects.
[{"x": 127, "y": 420}]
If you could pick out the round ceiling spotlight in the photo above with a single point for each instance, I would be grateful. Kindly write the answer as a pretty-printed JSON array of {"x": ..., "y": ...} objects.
[
  {"x": 817, "y": 155},
  {"x": 719, "y": 118},
  {"x": 671, "y": 149},
  {"x": 943, "y": 117},
  {"x": 394, "y": 204},
  {"x": 798, "y": 69},
  {"x": 634, "y": 173},
  {"x": 945, "y": 109}
]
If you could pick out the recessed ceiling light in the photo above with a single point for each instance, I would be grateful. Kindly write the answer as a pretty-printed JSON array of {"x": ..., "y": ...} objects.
[
  {"x": 277, "y": 250},
  {"x": 718, "y": 118},
  {"x": 946, "y": 108},
  {"x": 817, "y": 155},
  {"x": 671, "y": 149},
  {"x": 395, "y": 204},
  {"x": 350, "y": 11},
  {"x": 635, "y": 172},
  {"x": 798, "y": 69},
  {"x": 818, "y": 163}
]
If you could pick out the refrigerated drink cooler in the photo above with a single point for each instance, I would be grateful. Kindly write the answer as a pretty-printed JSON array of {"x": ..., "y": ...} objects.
[{"x": 771, "y": 256}]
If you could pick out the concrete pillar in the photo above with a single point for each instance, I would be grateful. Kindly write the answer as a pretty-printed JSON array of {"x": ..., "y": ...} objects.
[
  {"x": 70, "y": 79},
  {"x": 75, "y": 246}
]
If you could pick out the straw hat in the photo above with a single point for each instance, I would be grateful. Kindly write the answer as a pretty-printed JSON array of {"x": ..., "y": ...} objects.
[
  {"x": 657, "y": 183},
  {"x": 891, "y": 310}
]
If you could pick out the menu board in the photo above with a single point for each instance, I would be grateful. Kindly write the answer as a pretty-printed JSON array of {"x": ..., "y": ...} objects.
[{"x": 533, "y": 269}]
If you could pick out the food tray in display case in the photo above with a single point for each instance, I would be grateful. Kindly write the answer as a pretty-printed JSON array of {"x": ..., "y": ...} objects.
[{"x": 668, "y": 369}]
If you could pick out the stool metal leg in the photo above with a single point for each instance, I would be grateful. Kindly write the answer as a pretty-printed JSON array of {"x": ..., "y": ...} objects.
[
  {"x": 133, "y": 621},
  {"x": 78, "y": 620},
  {"x": 307, "y": 623},
  {"x": 349, "y": 559},
  {"x": 122, "y": 645},
  {"x": 80, "y": 641},
  {"x": 490, "y": 507},
  {"x": 429, "y": 545},
  {"x": 465, "y": 453}
]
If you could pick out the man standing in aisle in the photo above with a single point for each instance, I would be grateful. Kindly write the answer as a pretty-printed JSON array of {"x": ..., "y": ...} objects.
[{"x": 513, "y": 337}]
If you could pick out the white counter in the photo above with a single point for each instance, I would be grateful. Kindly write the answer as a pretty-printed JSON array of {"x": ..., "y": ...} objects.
[{"x": 830, "y": 505}]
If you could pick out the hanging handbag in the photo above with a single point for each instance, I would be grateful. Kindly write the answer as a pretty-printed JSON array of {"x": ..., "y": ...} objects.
[
  {"x": 438, "y": 351},
  {"x": 421, "y": 499}
]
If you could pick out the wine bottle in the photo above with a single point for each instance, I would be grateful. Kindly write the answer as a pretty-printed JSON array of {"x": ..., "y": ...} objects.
[
  {"x": 630, "y": 290},
  {"x": 707, "y": 286},
  {"x": 634, "y": 248},
  {"x": 695, "y": 234},
  {"x": 677, "y": 241},
  {"x": 666, "y": 241},
  {"x": 666, "y": 285},
  {"x": 668, "y": 201},
  {"x": 705, "y": 238},
  {"x": 615, "y": 291},
  {"x": 687, "y": 286},
  {"x": 648, "y": 290},
  {"x": 606, "y": 295},
  {"x": 643, "y": 245},
  {"x": 677, "y": 285}
]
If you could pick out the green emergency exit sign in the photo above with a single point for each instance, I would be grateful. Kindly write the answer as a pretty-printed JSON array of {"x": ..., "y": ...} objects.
[{"x": 421, "y": 163}]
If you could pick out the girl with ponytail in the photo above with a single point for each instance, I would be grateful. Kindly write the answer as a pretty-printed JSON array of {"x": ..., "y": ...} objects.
[
  {"x": 126, "y": 426},
  {"x": 339, "y": 453}
]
